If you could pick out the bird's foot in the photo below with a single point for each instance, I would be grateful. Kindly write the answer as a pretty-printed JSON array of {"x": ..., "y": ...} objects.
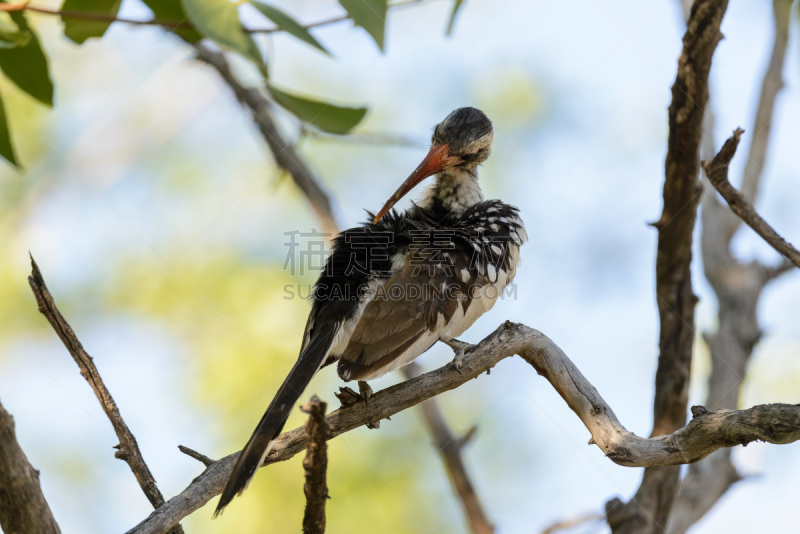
[
  {"x": 365, "y": 390},
  {"x": 347, "y": 396},
  {"x": 458, "y": 360},
  {"x": 461, "y": 349}
]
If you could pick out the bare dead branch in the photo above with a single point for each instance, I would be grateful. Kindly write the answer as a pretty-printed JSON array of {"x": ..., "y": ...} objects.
[
  {"x": 315, "y": 465},
  {"x": 649, "y": 509},
  {"x": 128, "y": 448},
  {"x": 681, "y": 194},
  {"x": 770, "y": 87},
  {"x": 717, "y": 172},
  {"x": 775, "y": 423},
  {"x": 23, "y": 507},
  {"x": 200, "y": 457},
  {"x": 738, "y": 287},
  {"x": 285, "y": 156},
  {"x": 449, "y": 447}
]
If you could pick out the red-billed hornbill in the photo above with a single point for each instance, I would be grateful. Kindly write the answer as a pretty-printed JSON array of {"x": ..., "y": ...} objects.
[{"x": 394, "y": 286}]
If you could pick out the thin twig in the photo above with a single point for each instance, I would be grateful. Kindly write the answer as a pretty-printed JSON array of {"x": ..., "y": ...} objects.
[
  {"x": 775, "y": 423},
  {"x": 717, "y": 173},
  {"x": 449, "y": 447},
  {"x": 200, "y": 457},
  {"x": 128, "y": 448},
  {"x": 285, "y": 156},
  {"x": 23, "y": 507},
  {"x": 315, "y": 465}
]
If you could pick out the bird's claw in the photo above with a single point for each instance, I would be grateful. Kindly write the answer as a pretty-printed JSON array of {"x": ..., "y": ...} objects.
[
  {"x": 347, "y": 396},
  {"x": 365, "y": 390},
  {"x": 460, "y": 349},
  {"x": 458, "y": 361}
]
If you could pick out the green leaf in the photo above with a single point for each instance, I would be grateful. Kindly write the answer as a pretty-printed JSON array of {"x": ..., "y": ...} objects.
[
  {"x": 11, "y": 35},
  {"x": 78, "y": 30},
  {"x": 370, "y": 15},
  {"x": 326, "y": 117},
  {"x": 451, "y": 24},
  {"x": 172, "y": 11},
  {"x": 219, "y": 21},
  {"x": 26, "y": 65},
  {"x": 6, "y": 148},
  {"x": 287, "y": 24},
  {"x": 15, "y": 39}
]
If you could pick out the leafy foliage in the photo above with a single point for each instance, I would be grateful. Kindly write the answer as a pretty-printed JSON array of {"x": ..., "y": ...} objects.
[
  {"x": 288, "y": 24},
  {"x": 326, "y": 117},
  {"x": 370, "y": 15},
  {"x": 78, "y": 29},
  {"x": 453, "y": 14},
  {"x": 6, "y": 148},
  {"x": 26, "y": 64},
  {"x": 219, "y": 21},
  {"x": 172, "y": 10}
]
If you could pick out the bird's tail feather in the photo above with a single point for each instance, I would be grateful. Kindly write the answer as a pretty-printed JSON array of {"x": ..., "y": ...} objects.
[{"x": 271, "y": 424}]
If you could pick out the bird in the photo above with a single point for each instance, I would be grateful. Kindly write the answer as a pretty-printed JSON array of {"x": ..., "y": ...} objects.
[{"x": 395, "y": 285}]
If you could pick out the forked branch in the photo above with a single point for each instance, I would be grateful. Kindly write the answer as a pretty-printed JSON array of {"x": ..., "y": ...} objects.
[
  {"x": 717, "y": 173},
  {"x": 128, "y": 448},
  {"x": 707, "y": 432}
]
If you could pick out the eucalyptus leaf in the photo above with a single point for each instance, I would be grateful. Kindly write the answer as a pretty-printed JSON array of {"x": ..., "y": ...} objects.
[
  {"x": 452, "y": 22},
  {"x": 219, "y": 21},
  {"x": 327, "y": 117},
  {"x": 6, "y": 148},
  {"x": 13, "y": 39},
  {"x": 370, "y": 15},
  {"x": 78, "y": 30},
  {"x": 172, "y": 11},
  {"x": 26, "y": 65},
  {"x": 287, "y": 24},
  {"x": 11, "y": 35}
]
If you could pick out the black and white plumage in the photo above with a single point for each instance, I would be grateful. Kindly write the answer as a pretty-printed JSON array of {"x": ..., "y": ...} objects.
[{"x": 396, "y": 285}]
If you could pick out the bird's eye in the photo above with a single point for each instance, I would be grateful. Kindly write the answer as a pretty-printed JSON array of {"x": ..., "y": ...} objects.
[{"x": 466, "y": 158}]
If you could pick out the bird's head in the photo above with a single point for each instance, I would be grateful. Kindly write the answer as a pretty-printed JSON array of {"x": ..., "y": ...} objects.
[{"x": 463, "y": 140}]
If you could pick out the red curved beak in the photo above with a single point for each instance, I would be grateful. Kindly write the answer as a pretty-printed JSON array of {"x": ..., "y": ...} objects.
[{"x": 436, "y": 161}]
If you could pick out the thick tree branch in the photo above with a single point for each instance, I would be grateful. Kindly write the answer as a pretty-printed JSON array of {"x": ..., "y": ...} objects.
[
  {"x": 315, "y": 465},
  {"x": 717, "y": 173},
  {"x": 285, "y": 156},
  {"x": 449, "y": 448},
  {"x": 775, "y": 423},
  {"x": 648, "y": 510},
  {"x": 738, "y": 287},
  {"x": 23, "y": 507},
  {"x": 128, "y": 448}
]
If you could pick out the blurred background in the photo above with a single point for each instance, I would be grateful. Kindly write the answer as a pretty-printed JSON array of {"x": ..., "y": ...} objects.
[{"x": 160, "y": 223}]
